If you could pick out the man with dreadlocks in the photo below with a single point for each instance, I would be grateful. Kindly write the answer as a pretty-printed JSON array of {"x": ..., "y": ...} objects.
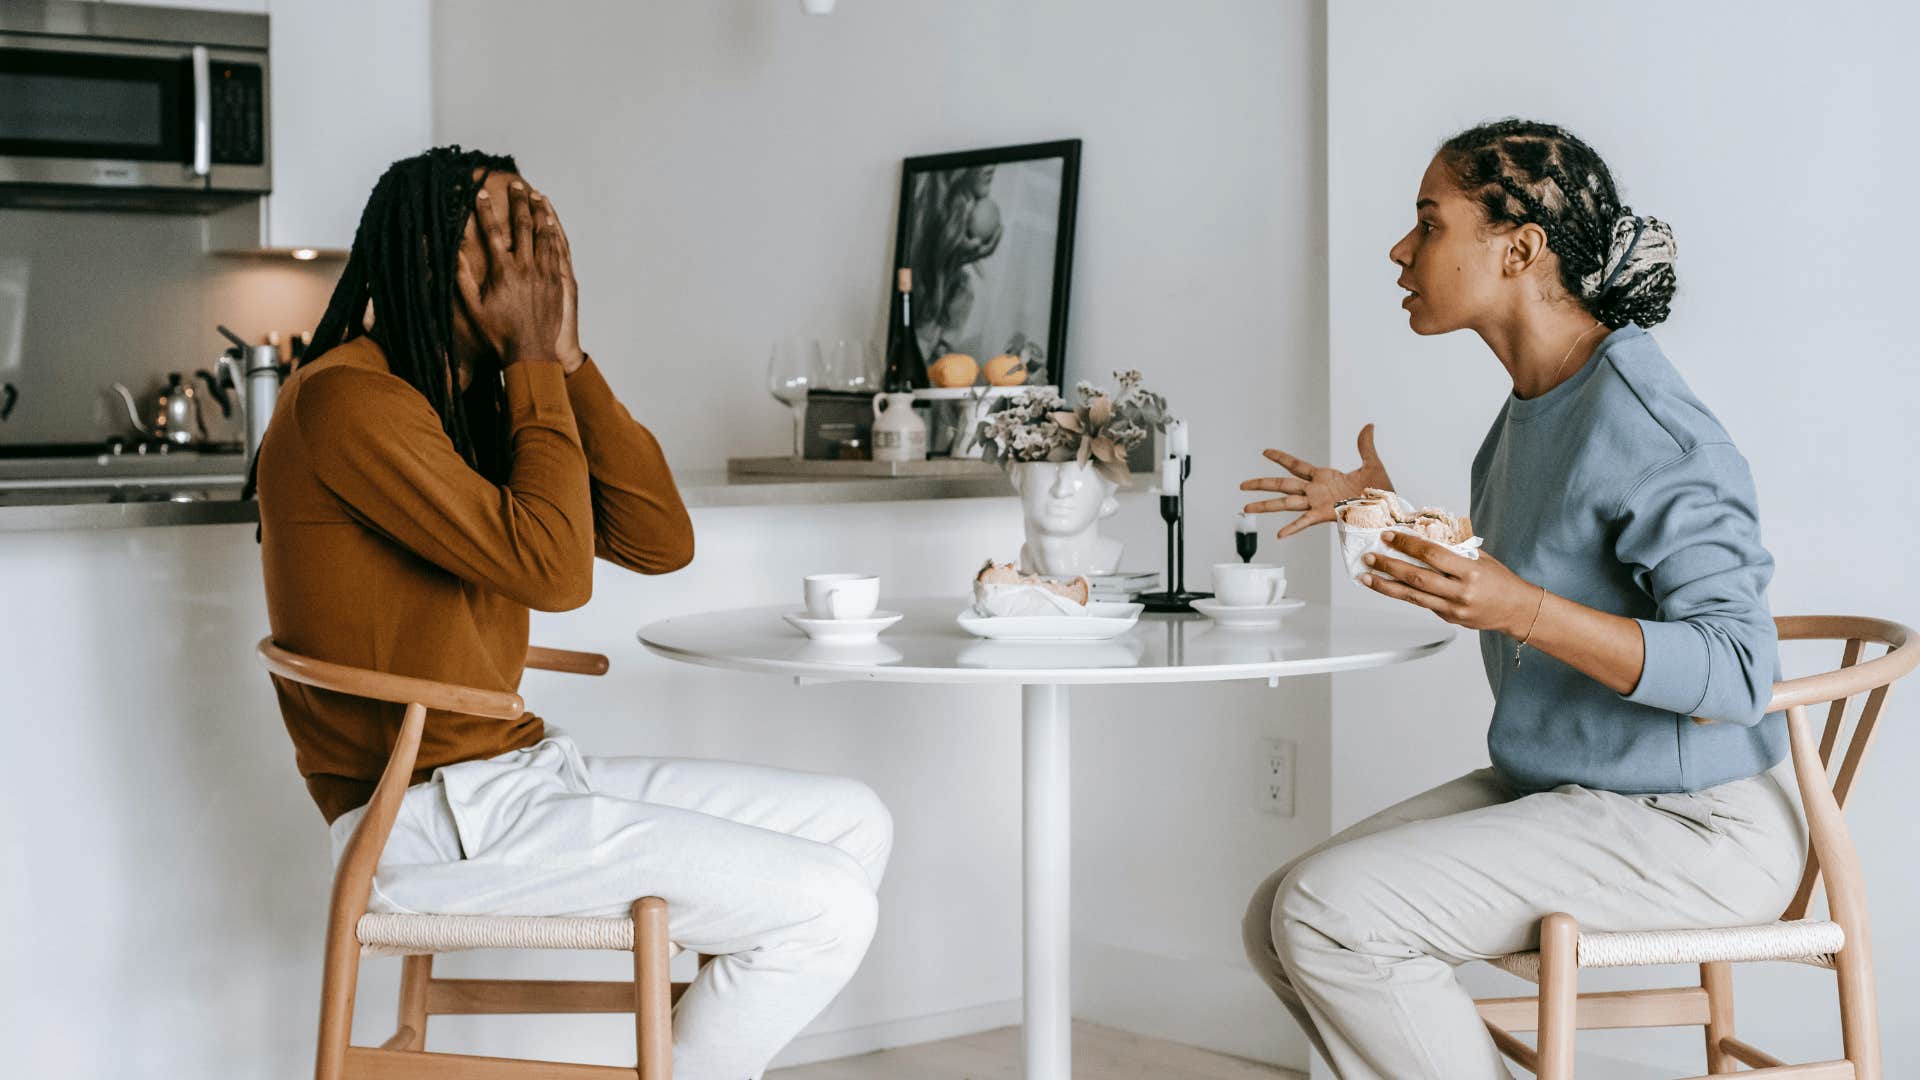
[{"x": 449, "y": 459}]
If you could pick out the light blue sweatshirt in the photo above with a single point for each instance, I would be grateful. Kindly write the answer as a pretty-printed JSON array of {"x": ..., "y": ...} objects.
[{"x": 1619, "y": 490}]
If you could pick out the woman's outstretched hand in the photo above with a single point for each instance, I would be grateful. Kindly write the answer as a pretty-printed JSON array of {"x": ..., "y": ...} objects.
[
  {"x": 1479, "y": 594},
  {"x": 1313, "y": 489}
]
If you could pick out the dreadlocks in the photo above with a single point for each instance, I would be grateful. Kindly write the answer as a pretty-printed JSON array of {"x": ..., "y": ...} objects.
[
  {"x": 1619, "y": 264},
  {"x": 401, "y": 271}
]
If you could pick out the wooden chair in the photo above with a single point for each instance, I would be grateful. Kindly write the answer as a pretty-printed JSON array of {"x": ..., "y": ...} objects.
[
  {"x": 353, "y": 932},
  {"x": 1838, "y": 943}
]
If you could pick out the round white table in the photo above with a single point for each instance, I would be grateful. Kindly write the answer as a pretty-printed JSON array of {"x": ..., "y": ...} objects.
[{"x": 928, "y": 646}]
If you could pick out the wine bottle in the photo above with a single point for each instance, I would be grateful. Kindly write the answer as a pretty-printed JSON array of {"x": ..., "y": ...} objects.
[{"x": 906, "y": 366}]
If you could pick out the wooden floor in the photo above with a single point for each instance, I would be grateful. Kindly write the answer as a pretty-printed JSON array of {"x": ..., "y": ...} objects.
[{"x": 1099, "y": 1053}]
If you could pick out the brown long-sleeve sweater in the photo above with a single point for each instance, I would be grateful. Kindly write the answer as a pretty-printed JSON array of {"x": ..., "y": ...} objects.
[{"x": 383, "y": 549}]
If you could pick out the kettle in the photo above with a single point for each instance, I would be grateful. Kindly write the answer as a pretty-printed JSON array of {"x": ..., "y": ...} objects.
[{"x": 176, "y": 413}]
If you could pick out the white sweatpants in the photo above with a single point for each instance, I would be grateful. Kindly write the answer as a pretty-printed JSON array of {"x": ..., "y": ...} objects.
[
  {"x": 772, "y": 871},
  {"x": 1359, "y": 937}
]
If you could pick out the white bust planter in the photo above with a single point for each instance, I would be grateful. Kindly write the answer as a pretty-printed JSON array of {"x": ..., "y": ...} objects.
[{"x": 1063, "y": 503}]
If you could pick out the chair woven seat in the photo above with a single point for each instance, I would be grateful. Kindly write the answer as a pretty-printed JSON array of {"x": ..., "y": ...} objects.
[
  {"x": 417, "y": 935},
  {"x": 1804, "y": 940}
]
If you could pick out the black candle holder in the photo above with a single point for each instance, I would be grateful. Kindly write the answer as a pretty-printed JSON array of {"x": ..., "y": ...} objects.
[
  {"x": 1175, "y": 598},
  {"x": 1247, "y": 543}
]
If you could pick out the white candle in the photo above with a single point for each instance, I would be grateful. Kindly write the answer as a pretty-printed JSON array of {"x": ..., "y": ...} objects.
[
  {"x": 1170, "y": 476},
  {"x": 1177, "y": 438}
]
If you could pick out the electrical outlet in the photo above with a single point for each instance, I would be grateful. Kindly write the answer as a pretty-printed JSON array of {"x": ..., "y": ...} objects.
[{"x": 1276, "y": 777}]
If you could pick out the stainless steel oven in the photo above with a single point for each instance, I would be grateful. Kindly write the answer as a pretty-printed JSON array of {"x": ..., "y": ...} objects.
[{"x": 111, "y": 103}]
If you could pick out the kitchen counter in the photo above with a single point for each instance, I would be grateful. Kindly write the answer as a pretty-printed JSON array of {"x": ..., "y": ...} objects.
[
  {"x": 44, "y": 508},
  {"x": 36, "y": 509}
]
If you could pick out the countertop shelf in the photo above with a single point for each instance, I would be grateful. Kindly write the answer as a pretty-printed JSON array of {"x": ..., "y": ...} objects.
[{"x": 46, "y": 509}]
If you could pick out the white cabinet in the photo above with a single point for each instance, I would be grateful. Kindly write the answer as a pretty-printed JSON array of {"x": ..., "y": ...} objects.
[{"x": 351, "y": 93}]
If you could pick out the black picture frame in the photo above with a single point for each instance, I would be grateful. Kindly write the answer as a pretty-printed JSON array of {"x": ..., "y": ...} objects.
[{"x": 913, "y": 183}]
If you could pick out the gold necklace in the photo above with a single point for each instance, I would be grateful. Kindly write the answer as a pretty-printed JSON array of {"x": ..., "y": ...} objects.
[
  {"x": 1522, "y": 643},
  {"x": 1554, "y": 380}
]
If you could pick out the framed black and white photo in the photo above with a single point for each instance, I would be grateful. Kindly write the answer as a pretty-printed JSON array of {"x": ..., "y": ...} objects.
[{"x": 988, "y": 235}]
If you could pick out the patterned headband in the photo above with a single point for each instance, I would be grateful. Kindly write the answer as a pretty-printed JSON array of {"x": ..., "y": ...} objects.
[{"x": 1639, "y": 226}]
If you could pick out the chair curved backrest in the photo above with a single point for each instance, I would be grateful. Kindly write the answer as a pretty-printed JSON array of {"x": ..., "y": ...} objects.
[
  {"x": 353, "y": 880},
  {"x": 353, "y": 877},
  {"x": 1823, "y": 792}
]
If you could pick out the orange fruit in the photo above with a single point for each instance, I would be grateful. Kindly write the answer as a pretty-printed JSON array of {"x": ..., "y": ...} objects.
[
  {"x": 1006, "y": 370},
  {"x": 953, "y": 370}
]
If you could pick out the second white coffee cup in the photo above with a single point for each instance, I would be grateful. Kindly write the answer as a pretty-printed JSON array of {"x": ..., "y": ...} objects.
[
  {"x": 842, "y": 596},
  {"x": 1249, "y": 584}
]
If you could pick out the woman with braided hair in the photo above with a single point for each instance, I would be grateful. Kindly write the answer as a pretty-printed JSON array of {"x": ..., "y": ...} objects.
[
  {"x": 449, "y": 458},
  {"x": 1621, "y": 591}
]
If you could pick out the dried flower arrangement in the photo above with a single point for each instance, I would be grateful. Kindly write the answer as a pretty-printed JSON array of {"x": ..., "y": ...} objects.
[{"x": 1040, "y": 425}]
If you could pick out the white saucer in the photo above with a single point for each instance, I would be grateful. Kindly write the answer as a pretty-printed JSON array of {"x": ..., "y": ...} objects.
[
  {"x": 1103, "y": 620},
  {"x": 843, "y": 631},
  {"x": 1257, "y": 616}
]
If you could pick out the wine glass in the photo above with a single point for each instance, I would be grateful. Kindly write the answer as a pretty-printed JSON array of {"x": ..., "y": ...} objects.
[
  {"x": 849, "y": 365},
  {"x": 791, "y": 371}
]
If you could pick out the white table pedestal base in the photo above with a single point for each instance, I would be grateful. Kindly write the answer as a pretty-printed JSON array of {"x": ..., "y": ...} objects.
[
  {"x": 926, "y": 647},
  {"x": 1047, "y": 824}
]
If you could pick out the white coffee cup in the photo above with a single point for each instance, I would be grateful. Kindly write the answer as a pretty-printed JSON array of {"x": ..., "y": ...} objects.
[
  {"x": 842, "y": 596},
  {"x": 1249, "y": 584}
]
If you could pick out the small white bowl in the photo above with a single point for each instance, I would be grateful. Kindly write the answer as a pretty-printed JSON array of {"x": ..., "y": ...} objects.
[{"x": 843, "y": 631}]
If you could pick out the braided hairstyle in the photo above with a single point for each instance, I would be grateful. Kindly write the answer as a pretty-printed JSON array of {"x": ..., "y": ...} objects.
[
  {"x": 1618, "y": 264},
  {"x": 401, "y": 271}
]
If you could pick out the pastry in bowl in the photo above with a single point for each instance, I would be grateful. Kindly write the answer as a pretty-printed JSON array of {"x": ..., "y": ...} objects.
[
  {"x": 1440, "y": 526},
  {"x": 1364, "y": 514},
  {"x": 1362, "y": 521}
]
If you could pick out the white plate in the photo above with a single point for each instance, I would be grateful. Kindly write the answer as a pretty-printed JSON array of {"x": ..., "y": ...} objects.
[
  {"x": 1121, "y": 652},
  {"x": 837, "y": 631},
  {"x": 1103, "y": 620},
  {"x": 1259, "y": 615}
]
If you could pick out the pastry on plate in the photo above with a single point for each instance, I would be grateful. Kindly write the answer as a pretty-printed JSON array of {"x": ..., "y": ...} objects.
[
  {"x": 1078, "y": 590},
  {"x": 1001, "y": 590}
]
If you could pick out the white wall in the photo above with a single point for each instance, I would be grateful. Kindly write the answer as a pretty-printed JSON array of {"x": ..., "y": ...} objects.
[
  {"x": 1772, "y": 137},
  {"x": 728, "y": 172}
]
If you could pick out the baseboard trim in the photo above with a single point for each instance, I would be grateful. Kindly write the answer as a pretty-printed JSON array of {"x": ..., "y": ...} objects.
[{"x": 867, "y": 1038}]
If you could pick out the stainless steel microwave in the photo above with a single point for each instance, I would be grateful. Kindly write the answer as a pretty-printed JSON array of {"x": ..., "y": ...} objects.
[{"x": 122, "y": 105}]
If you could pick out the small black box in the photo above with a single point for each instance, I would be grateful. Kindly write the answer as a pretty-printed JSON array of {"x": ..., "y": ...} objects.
[{"x": 839, "y": 425}]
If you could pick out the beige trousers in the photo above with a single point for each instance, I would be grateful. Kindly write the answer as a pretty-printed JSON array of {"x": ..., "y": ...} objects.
[{"x": 1359, "y": 937}]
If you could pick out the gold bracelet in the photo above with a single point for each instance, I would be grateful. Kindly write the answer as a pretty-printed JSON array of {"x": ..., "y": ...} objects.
[{"x": 1536, "y": 621}]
